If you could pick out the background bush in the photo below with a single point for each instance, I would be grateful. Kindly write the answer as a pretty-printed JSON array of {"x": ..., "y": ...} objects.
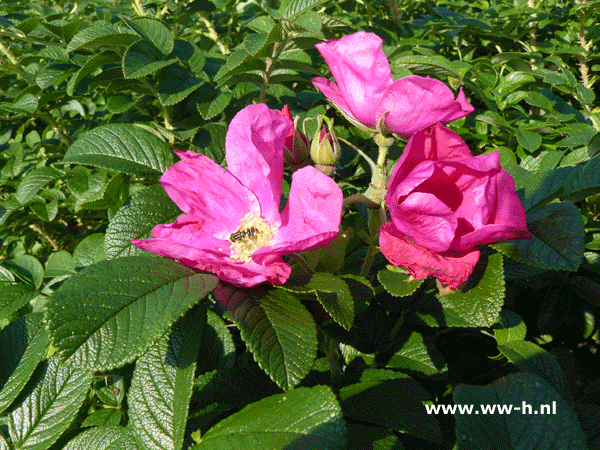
[{"x": 95, "y": 95}]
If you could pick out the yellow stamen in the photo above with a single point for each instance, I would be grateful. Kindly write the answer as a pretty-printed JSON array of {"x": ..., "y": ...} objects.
[{"x": 253, "y": 233}]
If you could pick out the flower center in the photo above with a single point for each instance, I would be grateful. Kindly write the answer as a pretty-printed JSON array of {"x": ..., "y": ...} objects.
[{"x": 253, "y": 233}]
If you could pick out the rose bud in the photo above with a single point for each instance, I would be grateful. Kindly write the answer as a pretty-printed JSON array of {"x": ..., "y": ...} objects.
[{"x": 325, "y": 148}]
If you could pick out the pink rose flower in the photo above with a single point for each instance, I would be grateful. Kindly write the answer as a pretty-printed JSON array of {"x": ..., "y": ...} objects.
[
  {"x": 365, "y": 89},
  {"x": 443, "y": 203},
  {"x": 232, "y": 225}
]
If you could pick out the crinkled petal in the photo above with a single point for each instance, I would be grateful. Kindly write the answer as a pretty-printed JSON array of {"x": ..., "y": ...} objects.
[
  {"x": 427, "y": 221},
  {"x": 416, "y": 103},
  {"x": 311, "y": 216},
  {"x": 205, "y": 190},
  {"x": 496, "y": 213},
  {"x": 362, "y": 72},
  {"x": 437, "y": 144},
  {"x": 271, "y": 269},
  {"x": 184, "y": 241},
  {"x": 254, "y": 153},
  {"x": 451, "y": 268}
]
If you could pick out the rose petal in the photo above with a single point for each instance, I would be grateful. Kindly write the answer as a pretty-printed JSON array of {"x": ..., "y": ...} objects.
[
  {"x": 333, "y": 93},
  {"x": 311, "y": 216},
  {"x": 499, "y": 218},
  {"x": 254, "y": 153},
  {"x": 362, "y": 73},
  {"x": 204, "y": 189},
  {"x": 416, "y": 103},
  {"x": 439, "y": 143},
  {"x": 272, "y": 269},
  {"x": 193, "y": 248},
  {"x": 451, "y": 268},
  {"x": 427, "y": 221}
]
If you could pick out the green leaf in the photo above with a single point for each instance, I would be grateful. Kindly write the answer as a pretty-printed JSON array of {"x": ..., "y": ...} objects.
[
  {"x": 175, "y": 84},
  {"x": 212, "y": 108},
  {"x": 24, "y": 342},
  {"x": 331, "y": 291},
  {"x": 293, "y": 8},
  {"x": 89, "y": 251},
  {"x": 543, "y": 187},
  {"x": 54, "y": 74},
  {"x": 123, "y": 148},
  {"x": 279, "y": 331},
  {"x": 510, "y": 327},
  {"x": 310, "y": 21},
  {"x": 558, "y": 238},
  {"x": 431, "y": 65},
  {"x": 218, "y": 348},
  {"x": 371, "y": 437},
  {"x": 45, "y": 209},
  {"x": 154, "y": 32},
  {"x": 585, "y": 94},
  {"x": 50, "y": 407},
  {"x": 13, "y": 297},
  {"x": 477, "y": 305},
  {"x": 521, "y": 429},
  {"x": 106, "y": 417},
  {"x": 529, "y": 357},
  {"x": 120, "y": 103},
  {"x": 398, "y": 283},
  {"x": 211, "y": 141},
  {"x": 102, "y": 33},
  {"x": 142, "y": 58},
  {"x": 94, "y": 62},
  {"x": 584, "y": 182},
  {"x": 162, "y": 383},
  {"x": 26, "y": 268},
  {"x": 28, "y": 25},
  {"x": 531, "y": 141},
  {"x": 387, "y": 404},
  {"x": 303, "y": 418},
  {"x": 109, "y": 313},
  {"x": 104, "y": 438},
  {"x": 135, "y": 220},
  {"x": 190, "y": 56},
  {"x": 64, "y": 31},
  {"x": 417, "y": 355},
  {"x": 27, "y": 104}
]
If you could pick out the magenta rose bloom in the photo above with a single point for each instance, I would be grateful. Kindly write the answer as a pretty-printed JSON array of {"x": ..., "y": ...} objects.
[
  {"x": 232, "y": 225},
  {"x": 365, "y": 89},
  {"x": 443, "y": 203}
]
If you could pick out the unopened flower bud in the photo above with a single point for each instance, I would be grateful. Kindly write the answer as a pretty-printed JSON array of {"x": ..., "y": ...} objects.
[
  {"x": 325, "y": 148},
  {"x": 296, "y": 150}
]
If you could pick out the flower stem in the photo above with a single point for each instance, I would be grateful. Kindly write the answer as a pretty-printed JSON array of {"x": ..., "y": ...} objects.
[
  {"x": 368, "y": 262},
  {"x": 139, "y": 8},
  {"x": 357, "y": 198},
  {"x": 270, "y": 65},
  {"x": 360, "y": 152},
  {"x": 212, "y": 33}
]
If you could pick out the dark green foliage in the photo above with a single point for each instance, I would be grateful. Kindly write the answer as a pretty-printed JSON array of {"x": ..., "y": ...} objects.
[{"x": 103, "y": 345}]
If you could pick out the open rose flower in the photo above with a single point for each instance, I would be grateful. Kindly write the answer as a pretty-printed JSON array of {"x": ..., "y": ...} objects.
[
  {"x": 365, "y": 89},
  {"x": 443, "y": 203},
  {"x": 232, "y": 225}
]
